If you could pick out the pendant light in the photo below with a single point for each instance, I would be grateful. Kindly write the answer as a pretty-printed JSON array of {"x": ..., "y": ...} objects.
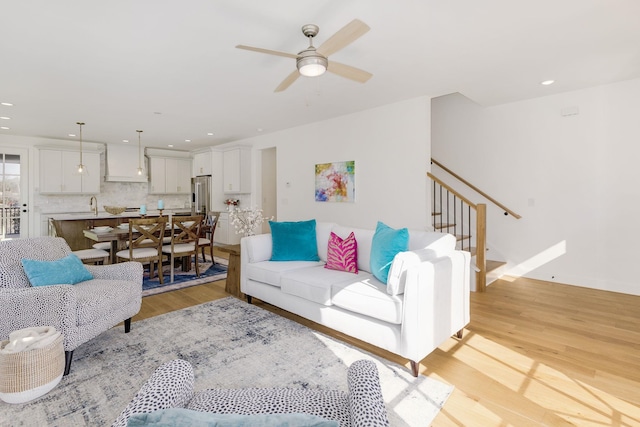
[
  {"x": 139, "y": 154},
  {"x": 80, "y": 166}
]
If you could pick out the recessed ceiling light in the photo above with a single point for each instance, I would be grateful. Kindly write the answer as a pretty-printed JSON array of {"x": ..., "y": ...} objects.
[
  {"x": 187, "y": 140},
  {"x": 157, "y": 112},
  {"x": 5, "y": 118},
  {"x": 547, "y": 82},
  {"x": 4, "y": 128},
  {"x": 259, "y": 129},
  {"x": 210, "y": 133},
  {"x": 170, "y": 145},
  {"x": 125, "y": 140},
  {"x": 72, "y": 134},
  {"x": 6, "y": 104}
]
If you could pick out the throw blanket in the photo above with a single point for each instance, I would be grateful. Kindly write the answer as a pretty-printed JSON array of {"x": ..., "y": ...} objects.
[{"x": 30, "y": 339}]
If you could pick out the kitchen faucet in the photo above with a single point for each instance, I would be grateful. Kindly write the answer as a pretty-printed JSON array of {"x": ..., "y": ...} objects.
[{"x": 91, "y": 205}]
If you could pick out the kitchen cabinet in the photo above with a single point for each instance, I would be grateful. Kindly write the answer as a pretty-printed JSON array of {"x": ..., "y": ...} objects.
[
  {"x": 225, "y": 233},
  {"x": 202, "y": 164},
  {"x": 59, "y": 172},
  {"x": 169, "y": 175},
  {"x": 237, "y": 170}
]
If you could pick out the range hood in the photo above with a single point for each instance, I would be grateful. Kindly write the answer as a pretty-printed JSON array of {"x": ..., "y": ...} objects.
[{"x": 122, "y": 164}]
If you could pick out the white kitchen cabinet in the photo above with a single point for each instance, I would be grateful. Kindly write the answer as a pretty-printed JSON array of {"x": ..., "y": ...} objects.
[
  {"x": 202, "y": 164},
  {"x": 237, "y": 170},
  {"x": 169, "y": 175},
  {"x": 225, "y": 233},
  {"x": 59, "y": 172}
]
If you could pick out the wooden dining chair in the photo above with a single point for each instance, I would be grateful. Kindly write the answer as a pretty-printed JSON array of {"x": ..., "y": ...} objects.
[
  {"x": 145, "y": 243},
  {"x": 206, "y": 234},
  {"x": 184, "y": 242}
]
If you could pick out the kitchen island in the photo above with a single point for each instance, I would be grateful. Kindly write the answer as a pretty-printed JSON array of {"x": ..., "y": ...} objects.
[{"x": 70, "y": 226}]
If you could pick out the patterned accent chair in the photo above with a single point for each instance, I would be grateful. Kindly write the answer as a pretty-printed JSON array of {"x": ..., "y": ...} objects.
[
  {"x": 171, "y": 386},
  {"x": 81, "y": 311}
]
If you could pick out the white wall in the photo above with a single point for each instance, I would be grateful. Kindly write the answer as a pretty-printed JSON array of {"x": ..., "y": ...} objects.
[
  {"x": 574, "y": 179},
  {"x": 390, "y": 146}
]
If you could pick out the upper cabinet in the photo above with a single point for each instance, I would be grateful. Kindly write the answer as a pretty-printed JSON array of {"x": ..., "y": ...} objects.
[
  {"x": 59, "y": 171},
  {"x": 169, "y": 175},
  {"x": 202, "y": 164},
  {"x": 237, "y": 170}
]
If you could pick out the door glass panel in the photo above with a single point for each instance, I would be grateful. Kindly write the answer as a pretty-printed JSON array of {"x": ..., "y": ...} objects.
[{"x": 9, "y": 196}]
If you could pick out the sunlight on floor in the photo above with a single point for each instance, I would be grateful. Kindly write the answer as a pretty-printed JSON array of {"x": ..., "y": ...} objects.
[
  {"x": 517, "y": 378},
  {"x": 539, "y": 260}
]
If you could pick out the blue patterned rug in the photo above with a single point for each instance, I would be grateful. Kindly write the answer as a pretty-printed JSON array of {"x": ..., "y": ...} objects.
[
  {"x": 183, "y": 279},
  {"x": 231, "y": 344}
]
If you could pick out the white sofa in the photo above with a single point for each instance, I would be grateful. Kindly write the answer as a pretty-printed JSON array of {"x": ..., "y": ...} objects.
[{"x": 425, "y": 303}]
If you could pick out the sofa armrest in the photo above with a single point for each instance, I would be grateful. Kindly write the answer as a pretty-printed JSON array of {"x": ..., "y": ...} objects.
[
  {"x": 365, "y": 395},
  {"x": 170, "y": 386},
  {"x": 131, "y": 271},
  {"x": 40, "y": 306},
  {"x": 436, "y": 303},
  {"x": 256, "y": 248}
]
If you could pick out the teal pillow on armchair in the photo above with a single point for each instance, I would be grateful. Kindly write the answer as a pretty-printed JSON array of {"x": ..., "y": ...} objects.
[
  {"x": 68, "y": 270},
  {"x": 294, "y": 241}
]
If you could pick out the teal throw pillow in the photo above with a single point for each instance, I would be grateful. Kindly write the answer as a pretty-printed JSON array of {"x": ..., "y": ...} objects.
[
  {"x": 177, "y": 417},
  {"x": 294, "y": 241},
  {"x": 386, "y": 243},
  {"x": 68, "y": 270}
]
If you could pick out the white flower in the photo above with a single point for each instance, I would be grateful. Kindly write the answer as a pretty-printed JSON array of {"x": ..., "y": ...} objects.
[{"x": 246, "y": 220}]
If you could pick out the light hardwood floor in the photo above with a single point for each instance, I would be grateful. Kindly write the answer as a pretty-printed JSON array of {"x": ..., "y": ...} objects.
[{"x": 535, "y": 353}]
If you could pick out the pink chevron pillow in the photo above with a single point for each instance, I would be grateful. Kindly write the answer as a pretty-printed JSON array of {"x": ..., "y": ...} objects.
[{"x": 342, "y": 254}]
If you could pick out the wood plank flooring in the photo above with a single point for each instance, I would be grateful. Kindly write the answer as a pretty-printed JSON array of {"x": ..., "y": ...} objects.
[{"x": 535, "y": 353}]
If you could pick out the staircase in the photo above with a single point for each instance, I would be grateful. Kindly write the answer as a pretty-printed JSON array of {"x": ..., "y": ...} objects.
[{"x": 455, "y": 214}]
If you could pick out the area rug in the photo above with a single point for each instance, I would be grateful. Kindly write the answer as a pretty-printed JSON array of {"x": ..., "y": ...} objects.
[
  {"x": 231, "y": 344},
  {"x": 209, "y": 272}
]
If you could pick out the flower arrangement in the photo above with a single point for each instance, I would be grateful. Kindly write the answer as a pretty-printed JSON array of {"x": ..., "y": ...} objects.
[
  {"x": 231, "y": 203},
  {"x": 246, "y": 220}
]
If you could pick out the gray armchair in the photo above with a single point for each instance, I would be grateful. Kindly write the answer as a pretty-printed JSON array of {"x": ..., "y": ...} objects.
[{"x": 81, "y": 311}]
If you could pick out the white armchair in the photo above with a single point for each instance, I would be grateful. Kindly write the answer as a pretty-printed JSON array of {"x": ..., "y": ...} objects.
[{"x": 81, "y": 311}]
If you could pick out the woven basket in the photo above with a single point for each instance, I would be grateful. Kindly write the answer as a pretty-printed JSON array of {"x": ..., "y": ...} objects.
[
  {"x": 30, "y": 370},
  {"x": 115, "y": 210}
]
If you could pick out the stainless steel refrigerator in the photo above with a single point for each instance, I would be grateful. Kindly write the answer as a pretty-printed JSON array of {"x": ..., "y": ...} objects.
[{"x": 201, "y": 195}]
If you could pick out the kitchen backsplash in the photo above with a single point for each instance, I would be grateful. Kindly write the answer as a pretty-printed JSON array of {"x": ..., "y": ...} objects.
[{"x": 129, "y": 194}]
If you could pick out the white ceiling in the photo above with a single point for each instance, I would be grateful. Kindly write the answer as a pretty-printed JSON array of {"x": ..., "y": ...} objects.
[{"x": 171, "y": 68}]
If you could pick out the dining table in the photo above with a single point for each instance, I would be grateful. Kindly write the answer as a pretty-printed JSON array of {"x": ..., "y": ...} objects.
[{"x": 114, "y": 236}]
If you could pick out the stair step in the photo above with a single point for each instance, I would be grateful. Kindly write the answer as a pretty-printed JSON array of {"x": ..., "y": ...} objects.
[
  {"x": 462, "y": 237},
  {"x": 442, "y": 225},
  {"x": 436, "y": 213},
  {"x": 494, "y": 265}
]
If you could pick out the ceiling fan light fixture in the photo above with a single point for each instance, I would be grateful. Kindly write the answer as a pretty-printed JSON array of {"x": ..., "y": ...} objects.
[{"x": 311, "y": 64}]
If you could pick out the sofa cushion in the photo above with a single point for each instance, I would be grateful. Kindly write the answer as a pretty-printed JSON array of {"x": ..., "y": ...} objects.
[
  {"x": 386, "y": 243},
  {"x": 68, "y": 270},
  {"x": 323, "y": 230},
  {"x": 313, "y": 284},
  {"x": 92, "y": 294},
  {"x": 342, "y": 254},
  {"x": 367, "y": 296},
  {"x": 258, "y": 247},
  {"x": 270, "y": 272},
  {"x": 294, "y": 241},
  {"x": 364, "y": 238}
]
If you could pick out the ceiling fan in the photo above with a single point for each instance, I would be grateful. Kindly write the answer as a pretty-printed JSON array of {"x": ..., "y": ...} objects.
[{"x": 312, "y": 61}]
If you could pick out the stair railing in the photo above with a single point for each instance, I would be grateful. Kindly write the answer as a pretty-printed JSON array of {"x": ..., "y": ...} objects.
[{"x": 457, "y": 215}]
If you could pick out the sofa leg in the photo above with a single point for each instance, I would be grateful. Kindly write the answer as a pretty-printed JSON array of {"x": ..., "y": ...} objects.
[
  {"x": 68, "y": 355},
  {"x": 127, "y": 325},
  {"x": 249, "y": 299},
  {"x": 414, "y": 368},
  {"x": 459, "y": 334}
]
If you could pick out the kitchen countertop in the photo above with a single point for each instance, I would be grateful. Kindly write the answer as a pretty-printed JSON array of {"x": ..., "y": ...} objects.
[{"x": 106, "y": 215}]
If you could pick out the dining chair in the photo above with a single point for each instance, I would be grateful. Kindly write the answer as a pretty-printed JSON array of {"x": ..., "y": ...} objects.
[
  {"x": 207, "y": 232},
  {"x": 184, "y": 242},
  {"x": 145, "y": 243}
]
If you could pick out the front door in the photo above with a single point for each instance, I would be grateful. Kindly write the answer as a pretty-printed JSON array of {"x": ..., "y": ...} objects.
[{"x": 14, "y": 212}]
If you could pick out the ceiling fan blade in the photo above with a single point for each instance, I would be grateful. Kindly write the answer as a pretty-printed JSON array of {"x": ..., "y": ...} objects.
[
  {"x": 268, "y": 51},
  {"x": 345, "y": 36},
  {"x": 288, "y": 81},
  {"x": 349, "y": 72}
]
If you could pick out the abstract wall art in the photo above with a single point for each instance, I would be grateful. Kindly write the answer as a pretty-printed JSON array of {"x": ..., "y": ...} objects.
[{"x": 335, "y": 182}]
